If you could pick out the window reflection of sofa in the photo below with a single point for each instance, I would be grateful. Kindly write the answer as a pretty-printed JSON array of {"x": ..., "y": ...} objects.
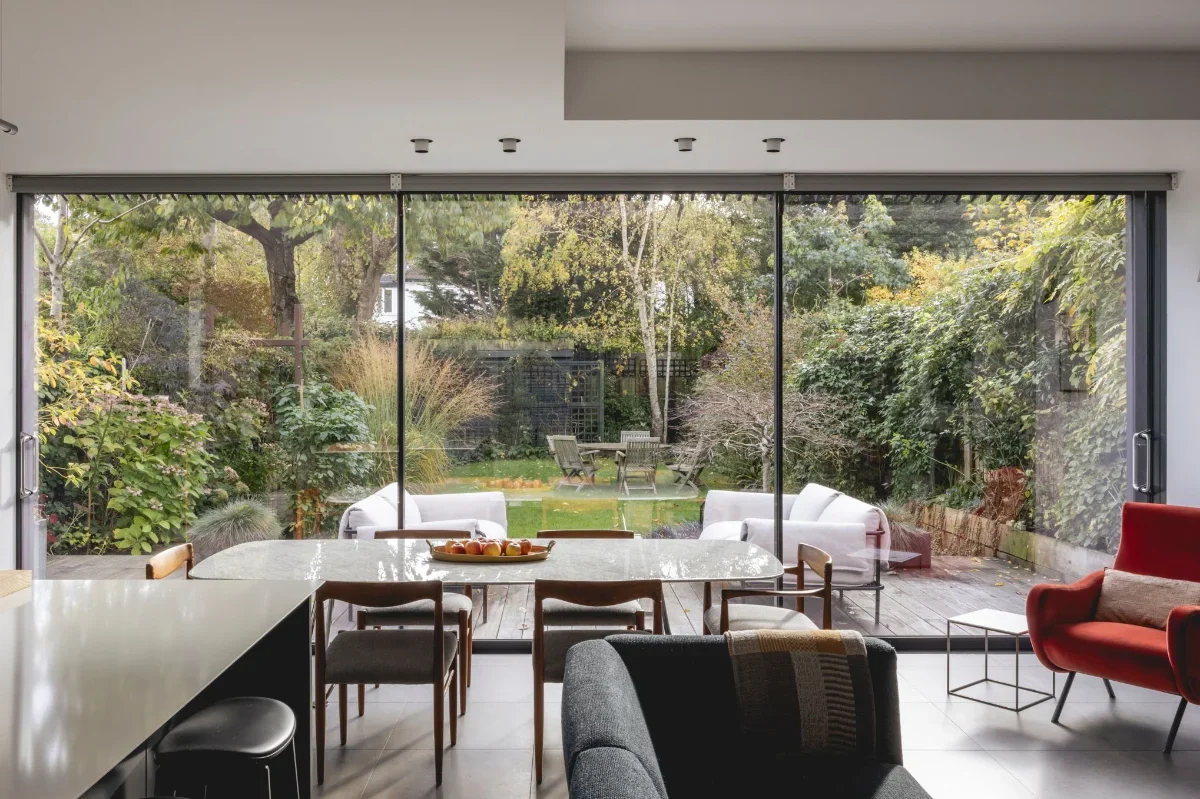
[
  {"x": 482, "y": 513},
  {"x": 818, "y": 516}
]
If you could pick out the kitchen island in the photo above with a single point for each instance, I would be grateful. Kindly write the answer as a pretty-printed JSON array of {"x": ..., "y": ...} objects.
[{"x": 94, "y": 672}]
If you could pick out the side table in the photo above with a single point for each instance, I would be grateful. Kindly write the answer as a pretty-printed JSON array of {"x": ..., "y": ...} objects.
[{"x": 1003, "y": 623}]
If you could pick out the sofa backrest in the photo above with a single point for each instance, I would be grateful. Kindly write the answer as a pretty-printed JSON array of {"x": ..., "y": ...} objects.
[
  {"x": 1160, "y": 540},
  {"x": 811, "y": 502},
  {"x": 737, "y": 506}
]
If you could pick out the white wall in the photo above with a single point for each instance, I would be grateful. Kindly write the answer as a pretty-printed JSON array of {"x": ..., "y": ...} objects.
[{"x": 310, "y": 86}]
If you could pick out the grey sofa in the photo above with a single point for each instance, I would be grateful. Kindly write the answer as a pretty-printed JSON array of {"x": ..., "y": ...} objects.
[{"x": 656, "y": 717}]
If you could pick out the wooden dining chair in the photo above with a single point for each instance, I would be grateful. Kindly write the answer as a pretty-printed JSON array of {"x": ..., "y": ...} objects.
[
  {"x": 390, "y": 657},
  {"x": 566, "y": 614},
  {"x": 578, "y": 466},
  {"x": 639, "y": 461},
  {"x": 456, "y": 610},
  {"x": 168, "y": 561},
  {"x": 550, "y": 646},
  {"x": 720, "y": 620}
]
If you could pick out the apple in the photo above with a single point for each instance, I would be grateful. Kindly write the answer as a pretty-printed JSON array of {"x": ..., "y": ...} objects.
[
  {"x": 526, "y": 546},
  {"x": 491, "y": 548},
  {"x": 512, "y": 548},
  {"x": 456, "y": 548},
  {"x": 473, "y": 548}
]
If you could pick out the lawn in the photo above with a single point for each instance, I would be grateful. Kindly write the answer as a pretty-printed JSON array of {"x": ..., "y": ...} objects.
[{"x": 536, "y": 502}]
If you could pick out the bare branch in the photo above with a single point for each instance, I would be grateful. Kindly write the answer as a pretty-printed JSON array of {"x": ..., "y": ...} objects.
[{"x": 79, "y": 238}]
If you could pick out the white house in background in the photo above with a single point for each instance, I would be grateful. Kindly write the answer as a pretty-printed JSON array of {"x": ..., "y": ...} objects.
[{"x": 387, "y": 307}]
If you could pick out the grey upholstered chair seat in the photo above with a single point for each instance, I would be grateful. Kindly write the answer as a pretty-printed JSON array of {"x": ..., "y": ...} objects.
[
  {"x": 757, "y": 617},
  {"x": 419, "y": 612},
  {"x": 558, "y": 613},
  {"x": 557, "y": 642},
  {"x": 386, "y": 656}
]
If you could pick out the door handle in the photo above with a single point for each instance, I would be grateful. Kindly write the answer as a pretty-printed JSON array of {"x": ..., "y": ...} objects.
[
  {"x": 1143, "y": 486},
  {"x": 26, "y": 490}
]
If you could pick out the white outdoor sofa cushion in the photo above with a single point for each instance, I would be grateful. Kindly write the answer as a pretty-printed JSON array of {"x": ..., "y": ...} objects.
[
  {"x": 482, "y": 513},
  {"x": 818, "y": 515}
]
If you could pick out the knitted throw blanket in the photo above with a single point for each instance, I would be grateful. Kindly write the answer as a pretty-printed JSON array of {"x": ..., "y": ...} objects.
[{"x": 803, "y": 691}]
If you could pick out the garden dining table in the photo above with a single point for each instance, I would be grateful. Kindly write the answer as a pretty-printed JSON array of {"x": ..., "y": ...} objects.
[{"x": 408, "y": 560}]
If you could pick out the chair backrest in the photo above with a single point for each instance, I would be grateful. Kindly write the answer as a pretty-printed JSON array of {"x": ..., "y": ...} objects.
[
  {"x": 585, "y": 534},
  {"x": 629, "y": 435},
  {"x": 433, "y": 535},
  {"x": 642, "y": 452},
  {"x": 822, "y": 565},
  {"x": 167, "y": 561},
  {"x": 378, "y": 595},
  {"x": 1160, "y": 541},
  {"x": 566, "y": 451},
  {"x": 595, "y": 595}
]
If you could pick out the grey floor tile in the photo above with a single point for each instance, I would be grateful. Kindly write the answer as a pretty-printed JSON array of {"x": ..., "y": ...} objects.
[
  {"x": 369, "y": 731},
  {"x": 955, "y": 775},
  {"x": 1105, "y": 775},
  {"x": 466, "y": 774},
  {"x": 925, "y": 726},
  {"x": 347, "y": 772},
  {"x": 554, "y": 777},
  {"x": 399, "y": 693},
  {"x": 486, "y": 725}
]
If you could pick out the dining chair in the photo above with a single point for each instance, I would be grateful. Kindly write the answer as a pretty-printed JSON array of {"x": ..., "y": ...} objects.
[
  {"x": 167, "y": 562},
  {"x": 740, "y": 616},
  {"x": 639, "y": 460},
  {"x": 578, "y": 466},
  {"x": 629, "y": 435},
  {"x": 390, "y": 657},
  {"x": 566, "y": 614},
  {"x": 456, "y": 610},
  {"x": 550, "y": 646},
  {"x": 690, "y": 466}
]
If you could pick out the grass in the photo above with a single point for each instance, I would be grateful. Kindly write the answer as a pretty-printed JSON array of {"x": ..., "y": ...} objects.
[{"x": 534, "y": 502}]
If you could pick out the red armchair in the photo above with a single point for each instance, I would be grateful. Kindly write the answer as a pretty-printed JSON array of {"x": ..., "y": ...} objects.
[{"x": 1158, "y": 540}]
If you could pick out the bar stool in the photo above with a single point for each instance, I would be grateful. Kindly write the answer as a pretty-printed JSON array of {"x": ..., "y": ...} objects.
[{"x": 242, "y": 734}]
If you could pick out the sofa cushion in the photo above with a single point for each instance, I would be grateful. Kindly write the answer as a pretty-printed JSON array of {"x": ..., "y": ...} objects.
[
  {"x": 848, "y": 510},
  {"x": 390, "y": 492},
  {"x": 412, "y": 513},
  {"x": 490, "y": 529},
  {"x": 607, "y": 772},
  {"x": 811, "y": 502},
  {"x": 373, "y": 512},
  {"x": 724, "y": 531},
  {"x": 1123, "y": 652},
  {"x": 1142, "y": 599},
  {"x": 600, "y": 708}
]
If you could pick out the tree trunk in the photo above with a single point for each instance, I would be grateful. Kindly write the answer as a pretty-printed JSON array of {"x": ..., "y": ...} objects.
[
  {"x": 54, "y": 261},
  {"x": 197, "y": 296},
  {"x": 380, "y": 257},
  {"x": 766, "y": 471},
  {"x": 643, "y": 298}
]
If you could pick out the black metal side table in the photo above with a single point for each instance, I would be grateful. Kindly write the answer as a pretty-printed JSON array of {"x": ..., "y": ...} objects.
[{"x": 1004, "y": 623}]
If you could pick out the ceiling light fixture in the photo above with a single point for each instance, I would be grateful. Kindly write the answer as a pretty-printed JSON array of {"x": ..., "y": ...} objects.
[
  {"x": 685, "y": 143},
  {"x": 421, "y": 145},
  {"x": 510, "y": 144},
  {"x": 773, "y": 144}
]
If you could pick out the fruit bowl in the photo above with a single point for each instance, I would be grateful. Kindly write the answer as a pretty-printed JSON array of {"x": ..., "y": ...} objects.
[{"x": 491, "y": 551}]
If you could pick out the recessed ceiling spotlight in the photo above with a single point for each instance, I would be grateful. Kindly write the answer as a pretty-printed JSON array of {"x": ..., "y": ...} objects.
[
  {"x": 421, "y": 145},
  {"x": 773, "y": 144},
  {"x": 8, "y": 127},
  {"x": 685, "y": 143},
  {"x": 510, "y": 144}
]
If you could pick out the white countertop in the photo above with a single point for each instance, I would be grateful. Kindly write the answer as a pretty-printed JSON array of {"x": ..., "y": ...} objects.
[
  {"x": 572, "y": 559},
  {"x": 89, "y": 669}
]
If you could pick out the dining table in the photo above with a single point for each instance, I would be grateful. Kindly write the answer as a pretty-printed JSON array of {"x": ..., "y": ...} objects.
[{"x": 410, "y": 560}]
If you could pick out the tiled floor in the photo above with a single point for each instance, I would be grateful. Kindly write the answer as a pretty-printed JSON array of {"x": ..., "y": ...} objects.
[{"x": 955, "y": 748}]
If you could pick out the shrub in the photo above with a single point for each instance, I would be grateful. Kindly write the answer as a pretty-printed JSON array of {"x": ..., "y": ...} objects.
[{"x": 236, "y": 523}]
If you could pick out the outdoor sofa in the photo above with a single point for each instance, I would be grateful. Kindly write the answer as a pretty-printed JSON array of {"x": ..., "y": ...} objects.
[
  {"x": 818, "y": 516},
  {"x": 656, "y": 717},
  {"x": 482, "y": 513}
]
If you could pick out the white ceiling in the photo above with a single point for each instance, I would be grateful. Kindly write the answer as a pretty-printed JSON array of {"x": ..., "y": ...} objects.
[{"x": 883, "y": 24}]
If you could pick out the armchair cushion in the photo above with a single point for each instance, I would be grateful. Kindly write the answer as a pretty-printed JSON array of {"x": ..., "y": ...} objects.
[
  {"x": 812, "y": 502},
  {"x": 1123, "y": 652},
  {"x": 1143, "y": 599}
]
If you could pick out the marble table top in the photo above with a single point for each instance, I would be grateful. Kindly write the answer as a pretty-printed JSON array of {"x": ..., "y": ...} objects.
[{"x": 572, "y": 559}]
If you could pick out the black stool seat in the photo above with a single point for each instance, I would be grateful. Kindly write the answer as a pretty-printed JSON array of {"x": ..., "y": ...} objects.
[{"x": 246, "y": 726}]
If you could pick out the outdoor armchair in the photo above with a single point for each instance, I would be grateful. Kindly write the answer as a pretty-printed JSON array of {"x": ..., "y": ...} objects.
[
  {"x": 578, "y": 466},
  {"x": 741, "y": 616}
]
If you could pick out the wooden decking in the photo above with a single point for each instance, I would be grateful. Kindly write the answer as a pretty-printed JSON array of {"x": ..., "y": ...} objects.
[{"x": 913, "y": 602}]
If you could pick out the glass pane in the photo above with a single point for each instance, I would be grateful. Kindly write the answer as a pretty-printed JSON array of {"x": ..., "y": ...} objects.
[
  {"x": 211, "y": 369},
  {"x": 968, "y": 356},
  {"x": 589, "y": 363}
]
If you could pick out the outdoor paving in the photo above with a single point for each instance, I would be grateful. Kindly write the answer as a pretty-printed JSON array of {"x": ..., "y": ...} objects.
[{"x": 914, "y": 601}]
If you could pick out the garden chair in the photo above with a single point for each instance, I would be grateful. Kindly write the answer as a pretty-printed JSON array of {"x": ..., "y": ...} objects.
[
  {"x": 687, "y": 471},
  {"x": 578, "y": 466},
  {"x": 639, "y": 462},
  {"x": 630, "y": 435},
  {"x": 168, "y": 561}
]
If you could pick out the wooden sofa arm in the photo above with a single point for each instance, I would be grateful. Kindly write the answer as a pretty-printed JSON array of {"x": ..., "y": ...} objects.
[
  {"x": 1183, "y": 647},
  {"x": 1048, "y": 606}
]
